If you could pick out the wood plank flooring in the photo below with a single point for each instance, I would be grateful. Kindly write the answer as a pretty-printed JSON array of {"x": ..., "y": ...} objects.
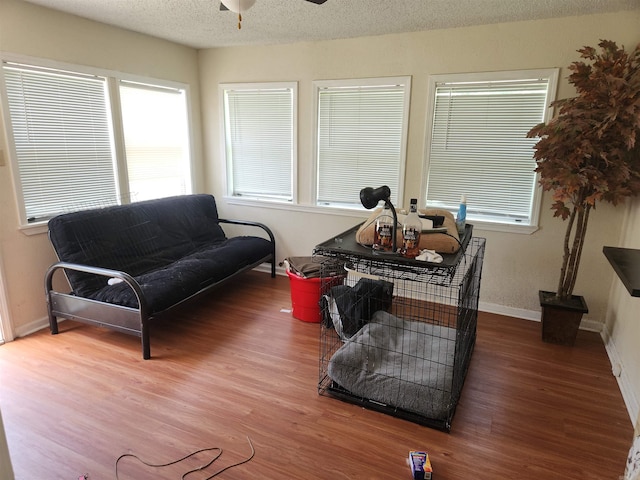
[{"x": 233, "y": 367}]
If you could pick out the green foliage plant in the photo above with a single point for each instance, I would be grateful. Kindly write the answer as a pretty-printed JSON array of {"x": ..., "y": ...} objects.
[{"x": 590, "y": 151}]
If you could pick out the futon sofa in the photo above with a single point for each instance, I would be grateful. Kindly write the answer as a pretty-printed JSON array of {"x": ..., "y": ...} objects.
[{"x": 129, "y": 264}]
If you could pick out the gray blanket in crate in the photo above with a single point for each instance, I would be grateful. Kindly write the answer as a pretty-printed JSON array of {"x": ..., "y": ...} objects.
[{"x": 402, "y": 364}]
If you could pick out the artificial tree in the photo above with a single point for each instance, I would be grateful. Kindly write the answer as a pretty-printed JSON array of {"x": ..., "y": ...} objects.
[{"x": 590, "y": 152}]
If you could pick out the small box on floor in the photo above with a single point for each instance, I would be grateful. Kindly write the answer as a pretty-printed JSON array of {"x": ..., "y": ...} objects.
[{"x": 420, "y": 465}]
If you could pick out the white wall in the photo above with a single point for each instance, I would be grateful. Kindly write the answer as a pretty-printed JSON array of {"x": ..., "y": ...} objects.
[
  {"x": 622, "y": 330},
  {"x": 516, "y": 266},
  {"x": 26, "y": 29}
]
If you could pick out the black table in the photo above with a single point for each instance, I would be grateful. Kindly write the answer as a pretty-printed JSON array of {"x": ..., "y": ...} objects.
[
  {"x": 345, "y": 244},
  {"x": 626, "y": 263}
]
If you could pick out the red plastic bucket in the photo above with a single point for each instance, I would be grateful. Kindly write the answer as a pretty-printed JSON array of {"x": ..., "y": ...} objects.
[{"x": 306, "y": 293}]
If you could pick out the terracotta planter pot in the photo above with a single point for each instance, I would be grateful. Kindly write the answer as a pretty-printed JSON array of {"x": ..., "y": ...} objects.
[{"x": 561, "y": 319}]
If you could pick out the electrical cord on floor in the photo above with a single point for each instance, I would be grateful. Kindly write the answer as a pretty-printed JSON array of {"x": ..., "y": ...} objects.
[{"x": 216, "y": 457}]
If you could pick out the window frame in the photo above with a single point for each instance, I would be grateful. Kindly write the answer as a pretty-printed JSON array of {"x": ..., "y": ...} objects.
[
  {"x": 485, "y": 223},
  {"x": 112, "y": 79},
  {"x": 318, "y": 85},
  {"x": 228, "y": 167},
  {"x": 120, "y": 83}
]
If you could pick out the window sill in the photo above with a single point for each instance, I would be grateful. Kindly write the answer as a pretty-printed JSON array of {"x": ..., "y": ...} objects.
[
  {"x": 362, "y": 213},
  {"x": 34, "y": 228},
  {"x": 279, "y": 205},
  {"x": 503, "y": 227}
]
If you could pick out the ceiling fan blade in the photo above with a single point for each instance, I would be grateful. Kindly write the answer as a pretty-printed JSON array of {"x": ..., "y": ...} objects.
[{"x": 317, "y": 2}]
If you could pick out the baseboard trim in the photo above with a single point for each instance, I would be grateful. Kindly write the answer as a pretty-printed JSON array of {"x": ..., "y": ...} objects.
[
  {"x": 31, "y": 327},
  {"x": 509, "y": 311},
  {"x": 533, "y": 315},
  {"x": 619, "y": 371}
]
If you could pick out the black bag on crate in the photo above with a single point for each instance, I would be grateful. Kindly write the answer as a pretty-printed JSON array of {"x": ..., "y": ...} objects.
[{"x": 356, "y": 305}]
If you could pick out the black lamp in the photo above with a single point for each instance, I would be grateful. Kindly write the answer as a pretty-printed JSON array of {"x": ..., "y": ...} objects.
[{"x": 370, "y": 197}]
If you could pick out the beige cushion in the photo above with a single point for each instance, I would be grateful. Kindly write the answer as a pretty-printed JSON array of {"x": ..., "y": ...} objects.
[{"x": 448, "y": 242}]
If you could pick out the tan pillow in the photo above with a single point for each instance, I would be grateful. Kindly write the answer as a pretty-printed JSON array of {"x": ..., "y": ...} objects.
[{"x": 441, "y": 242}]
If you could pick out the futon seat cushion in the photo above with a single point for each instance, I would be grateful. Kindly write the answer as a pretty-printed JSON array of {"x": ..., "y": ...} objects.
[{"x": 176, "y": 281}]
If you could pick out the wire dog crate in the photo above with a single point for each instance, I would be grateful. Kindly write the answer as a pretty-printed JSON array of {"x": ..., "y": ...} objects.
[{"x": 398, "y": 335}]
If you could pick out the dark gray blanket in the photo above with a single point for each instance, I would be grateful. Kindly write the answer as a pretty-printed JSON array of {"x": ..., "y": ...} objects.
[{"x": 403, "y": 364}]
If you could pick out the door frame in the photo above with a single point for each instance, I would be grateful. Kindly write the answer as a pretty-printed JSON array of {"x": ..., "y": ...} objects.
[{"x": 6, "y": 332}]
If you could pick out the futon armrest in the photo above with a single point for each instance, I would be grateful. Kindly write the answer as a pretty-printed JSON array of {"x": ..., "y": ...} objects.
[
  {"x": 249, "y": 223},
  {"x": 106, "y": 272},
  {"x": 263, "y": 227}
]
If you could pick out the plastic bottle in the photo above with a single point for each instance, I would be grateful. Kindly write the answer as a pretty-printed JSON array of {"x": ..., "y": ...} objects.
[
  {"x": 411, "y": 228},
  {"x": 382, "y": 238},
  {"x": 461, "y": 217}
]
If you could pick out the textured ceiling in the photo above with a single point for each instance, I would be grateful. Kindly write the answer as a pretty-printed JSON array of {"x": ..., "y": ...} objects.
[{"x": 201, "y": 24}]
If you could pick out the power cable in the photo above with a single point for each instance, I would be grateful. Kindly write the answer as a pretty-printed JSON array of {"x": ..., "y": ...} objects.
[{"x": 198, "y": 469}]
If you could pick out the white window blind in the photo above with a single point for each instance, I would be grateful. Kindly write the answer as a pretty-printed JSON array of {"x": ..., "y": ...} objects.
[
  {"x": 478, "y": 147},
  {"x": 361, "y": 139},
  {"x": 63, "y": 142},
  {"x": 67, "y": 158},
  {"x": 259, "y": 140},
  {"x": 156, "y": 140}
]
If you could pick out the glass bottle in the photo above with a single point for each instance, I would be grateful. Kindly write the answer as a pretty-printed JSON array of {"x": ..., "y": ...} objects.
[
  {"x": 411, "y": 228},
  {"x": 461, "y": 217},
  {"x": 382, "y": 238}
]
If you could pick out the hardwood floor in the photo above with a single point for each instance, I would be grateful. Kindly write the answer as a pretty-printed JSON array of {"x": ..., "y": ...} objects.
[{"x": 234, "y": 367}]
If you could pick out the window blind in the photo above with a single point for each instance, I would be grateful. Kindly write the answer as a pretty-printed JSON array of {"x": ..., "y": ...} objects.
[
  {"x": 156, "y": 140},
  {"x": 259, "y": 141},
  {"x": 478, "y": 147},
  {"x": 361, "y": 131},
  {"x": 63, "y": 140}
]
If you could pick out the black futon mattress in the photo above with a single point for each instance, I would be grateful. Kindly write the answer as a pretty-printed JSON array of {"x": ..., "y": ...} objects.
[{"x": 173, "y": 247}]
